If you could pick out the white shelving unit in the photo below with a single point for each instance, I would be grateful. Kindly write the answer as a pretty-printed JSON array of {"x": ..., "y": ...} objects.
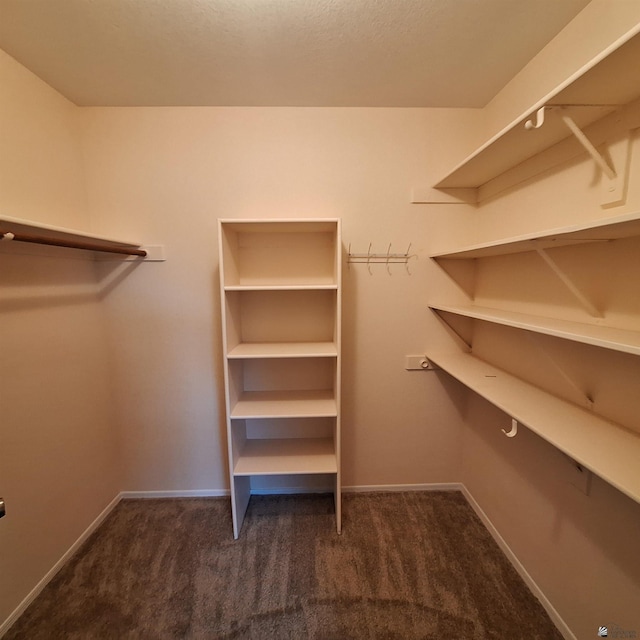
[
  {"x": 280, "y": 286},
  {"x": 607, "y": 83}
]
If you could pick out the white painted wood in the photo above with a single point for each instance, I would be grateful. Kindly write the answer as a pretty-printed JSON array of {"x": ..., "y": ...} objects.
[
  {"x": 287, "y": 456},
  {"x": 570, "y": 285},
  {"x": 281, "y": 307},
  {"x": 429, "y": 195},
  {"x": 284, "y": 350},
  {"x": 605, "y": 448},
  {"x": 288, "y": 285},
  {"x": 597, "y": 335},
  {"x": 604, "y": 84},
  {"x": 155, "y": 253},
  {"x": 285, "y": 404},
  {"x": 29, "y": 226},
  {"x": 612, "y": 228}
]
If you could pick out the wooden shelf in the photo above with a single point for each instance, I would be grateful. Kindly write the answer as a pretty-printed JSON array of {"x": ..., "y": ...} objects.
[
  {"x": 286, "y": 456},
  {"x": 604, "y": 84},
  {"x": 272, "y": 286},
  {"x": 597, "y": 335},
  {"x": 614, "y": 228},
  {"x": 27, "y": 226},
  {"x": 607, "y": 449},
  {"x": 284, "y": 350},
  {"x": 285, "y": 404}
]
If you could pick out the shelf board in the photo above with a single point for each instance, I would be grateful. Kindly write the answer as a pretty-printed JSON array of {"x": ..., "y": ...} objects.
[
  {"x": 281, "y": 225},
  {"x": 607, "y": 449},
  {"x": 281, "y": 287},
  {"x": 607, "y": 229},
  {"x": 600, "y": 336},
  {"x": 285, "y": 404},
  {"x": 607, "y": 82},
  {"x": 284, "y": 350},
  {"x": 286, "y": 456},
  {"x": 27, "y": 226}
]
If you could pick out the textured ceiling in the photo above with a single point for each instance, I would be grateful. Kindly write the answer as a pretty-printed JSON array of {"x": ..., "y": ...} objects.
[{"x": 435, "y": 53}]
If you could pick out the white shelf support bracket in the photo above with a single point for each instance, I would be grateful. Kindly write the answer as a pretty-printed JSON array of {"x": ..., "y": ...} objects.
[
  {"x": 586, "y": 399},
  {"x": 569, "y": 284},
  {"x": 513, "y": 432},
  {"x": 454, "y": 332},
  {"x": 615, "y": 184},
  {"x": 591, "y": 150}
]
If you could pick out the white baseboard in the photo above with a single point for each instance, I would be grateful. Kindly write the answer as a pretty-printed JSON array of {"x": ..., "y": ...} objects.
[
  {"x": 33, "y": 594},
  {"x": 431, "y": 486},
  {"x": 187, "y": 493},
  {"x": 519, "y": 567}
]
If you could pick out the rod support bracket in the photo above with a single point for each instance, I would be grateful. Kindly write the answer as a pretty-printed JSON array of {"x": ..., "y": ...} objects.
[{"x": 514, "y": 429}]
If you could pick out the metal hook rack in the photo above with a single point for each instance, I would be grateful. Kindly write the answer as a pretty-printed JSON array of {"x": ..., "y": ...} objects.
[{"x": 387, "y": 258}]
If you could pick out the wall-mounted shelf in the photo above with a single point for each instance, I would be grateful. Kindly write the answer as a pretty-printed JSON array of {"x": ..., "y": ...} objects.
[
  {"x": 605, "y": 448},
  {"x": 597, "y": 335},
  {"x": 15, "y": 230},
  {"x": 614, "y": 228},
  {"x": 605, "y": 84}
]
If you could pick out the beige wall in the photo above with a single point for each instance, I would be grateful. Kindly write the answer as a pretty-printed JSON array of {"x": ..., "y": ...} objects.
[
  {"x": 166, "y": 175},
  {"x": 58, "y": 464}
]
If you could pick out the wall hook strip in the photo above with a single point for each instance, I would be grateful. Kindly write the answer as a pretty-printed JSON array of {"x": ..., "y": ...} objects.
[
  {"x": 387, "y": 258},
  {"x": 514, "y": 429}
]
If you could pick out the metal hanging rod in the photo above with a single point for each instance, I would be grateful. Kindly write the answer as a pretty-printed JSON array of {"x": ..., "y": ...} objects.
[{"x": 71, "y": 244}]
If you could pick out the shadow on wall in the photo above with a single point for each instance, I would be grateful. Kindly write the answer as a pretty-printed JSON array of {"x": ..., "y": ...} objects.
[{"x": 545, "y": 490}]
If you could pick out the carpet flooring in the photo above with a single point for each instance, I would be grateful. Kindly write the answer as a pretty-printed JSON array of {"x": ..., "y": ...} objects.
[{"x": 414, "y": 565}]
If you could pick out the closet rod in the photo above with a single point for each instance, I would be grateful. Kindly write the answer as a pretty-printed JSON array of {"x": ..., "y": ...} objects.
[{"x": 71, "y": 244}]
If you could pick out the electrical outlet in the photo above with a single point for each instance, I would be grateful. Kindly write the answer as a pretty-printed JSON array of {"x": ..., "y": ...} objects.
[{"x": 417, "y": 363}]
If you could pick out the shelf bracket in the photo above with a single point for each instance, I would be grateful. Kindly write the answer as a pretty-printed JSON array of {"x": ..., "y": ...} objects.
[
  {"x": 598, "y": 158},
  {"x": 569, "y": 284},
  {"x": 614, "y": 187},
  {"x": 458, "y": 335},
  {"x": 588, "y": 401}
]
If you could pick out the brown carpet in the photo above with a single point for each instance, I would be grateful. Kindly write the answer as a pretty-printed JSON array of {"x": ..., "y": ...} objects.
[{"x": 407, "y": 565}]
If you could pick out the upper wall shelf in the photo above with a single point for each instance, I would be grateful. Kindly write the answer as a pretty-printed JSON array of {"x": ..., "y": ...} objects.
[
  {"x": 614, "y": 228},
  {"x": 606, "y": 83},
  {"x": 26, "y": 231}
]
